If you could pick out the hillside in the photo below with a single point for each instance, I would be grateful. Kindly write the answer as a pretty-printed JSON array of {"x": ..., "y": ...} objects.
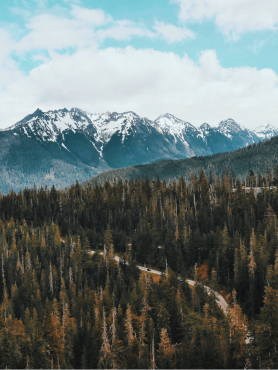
[
  {"x": 61, "y": 146},
  {"x": 65, "y": 305},
  {"x": 257, "y": 157}
]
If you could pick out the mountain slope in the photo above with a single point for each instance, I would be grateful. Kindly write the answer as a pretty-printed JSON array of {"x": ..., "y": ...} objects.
[
  {"x": 239, "y": 135},
  {"x": 266, "y": 131},
  {"x": 61, "y": 146},
  {"x": 257, "y": 157}
]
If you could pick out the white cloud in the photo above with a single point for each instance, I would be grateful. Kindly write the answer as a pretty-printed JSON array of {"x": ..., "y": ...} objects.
[
  {"x": 8, "y": 68},
  {"x": 52, "y": 31},
  {"x": 232, "y": 16},
  {"x": 96, "y": 17},
  {"x": 6, "y": 44},
  {"x": 40, "y": 58},
  {"x": 123, "y": 30},
  {"x": 148, "y": 82},
  {"x": 172, "y": 33}
]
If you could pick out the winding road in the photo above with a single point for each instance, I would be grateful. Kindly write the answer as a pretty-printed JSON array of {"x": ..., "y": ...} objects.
[{"x": 220, "y": 299}]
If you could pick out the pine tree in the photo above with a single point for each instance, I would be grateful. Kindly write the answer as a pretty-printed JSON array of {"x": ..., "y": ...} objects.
[
  {"x": 106, "y": 360},
  {"x": 166, "y": 352}
]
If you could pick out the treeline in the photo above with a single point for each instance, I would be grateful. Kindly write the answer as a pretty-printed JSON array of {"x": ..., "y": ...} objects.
[
  {"x": 206, "y": 220},
  {"x": 61, "y": 307}
]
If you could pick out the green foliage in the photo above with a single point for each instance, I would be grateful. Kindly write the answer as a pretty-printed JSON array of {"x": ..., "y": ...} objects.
[{"x": 63, "y": 307}]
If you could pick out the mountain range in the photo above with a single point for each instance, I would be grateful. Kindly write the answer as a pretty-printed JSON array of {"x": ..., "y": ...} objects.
[{"x": 61, "y": 146}]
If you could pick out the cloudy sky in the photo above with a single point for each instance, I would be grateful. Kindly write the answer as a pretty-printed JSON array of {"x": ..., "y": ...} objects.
[{"x": 201, "y": 60}]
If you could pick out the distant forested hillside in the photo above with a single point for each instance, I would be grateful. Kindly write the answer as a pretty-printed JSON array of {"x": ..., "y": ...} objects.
[{"x": 258, "y": 157}]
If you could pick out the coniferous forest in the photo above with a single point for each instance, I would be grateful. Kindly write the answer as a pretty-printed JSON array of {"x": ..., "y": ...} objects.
[{"x": 63, "y": 307}]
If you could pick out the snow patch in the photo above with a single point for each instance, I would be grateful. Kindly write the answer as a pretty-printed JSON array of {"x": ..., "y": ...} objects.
[
  {"x": 63, "y": 145},
  {"x": 266, "y": 131},
  {"x": 169, "y": 124}
]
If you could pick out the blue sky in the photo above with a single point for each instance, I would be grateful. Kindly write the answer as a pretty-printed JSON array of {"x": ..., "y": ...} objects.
[{"x": 201, "y": 60}]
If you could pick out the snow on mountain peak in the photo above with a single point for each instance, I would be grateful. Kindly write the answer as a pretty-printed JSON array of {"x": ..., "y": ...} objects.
[
  {"x": 107, "y": 124},
  {"x": 204, "y": 130},
  {"x": 168, "y": 124},
  {"x": 266, "y": 131},
  {"x": 171, "y": 124},
  {"x": 236, "y": 132},
  {"x": 100, "y": 127},
  {"x": 230, "y": 124},
  {"x": 205, "y": 126},
  {"x": 47, "y": 126}
]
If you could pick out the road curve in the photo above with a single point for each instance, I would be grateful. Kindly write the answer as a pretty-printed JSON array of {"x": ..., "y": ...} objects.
[{"x": 219, "y": 298}]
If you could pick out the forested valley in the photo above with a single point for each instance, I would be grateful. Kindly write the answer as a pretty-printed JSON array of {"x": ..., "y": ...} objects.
[{"x": 62, "y": 307}]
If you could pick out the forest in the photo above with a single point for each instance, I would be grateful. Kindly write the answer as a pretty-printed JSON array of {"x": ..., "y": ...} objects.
[
  {"x": 258, "y": 157},
  {"x": 62, "y": 307}
]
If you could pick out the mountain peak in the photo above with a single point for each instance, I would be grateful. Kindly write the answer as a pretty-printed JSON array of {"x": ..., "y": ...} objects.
[
  {"x": 266, "y": 126},
  {"x": 266, "y": 131},
  {"x": 230, "y": 125},
  {"x": 236, "y": 132},
  {"x": 129, "y": 114},
  {"x": 229, "y": 121},
  {"x": 37, "y": 113},
  {"x": 205, "y": 126},
  {"x": 168, "y": 116}
]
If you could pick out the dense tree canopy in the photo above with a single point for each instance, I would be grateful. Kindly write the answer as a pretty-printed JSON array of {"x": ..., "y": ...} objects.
[{"x": 63, "y": 307}]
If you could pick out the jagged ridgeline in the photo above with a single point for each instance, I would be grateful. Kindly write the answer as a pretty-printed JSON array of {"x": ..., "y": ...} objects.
[
  {"x": 258, "y": 157},
  {"x": 63, "y": 307},
  {"x": 61, "y": 146}
]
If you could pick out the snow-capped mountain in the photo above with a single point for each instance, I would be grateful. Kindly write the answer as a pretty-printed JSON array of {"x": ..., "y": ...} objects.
[
  {"x": 61, "y": 146},
  {"x": 177, "y": 132},
  {"x": 237, "y": 133},
  {"x": 215, "y": 141},
  {"x": 196, "y": 141},
  {"x": 266, "y": 131}
]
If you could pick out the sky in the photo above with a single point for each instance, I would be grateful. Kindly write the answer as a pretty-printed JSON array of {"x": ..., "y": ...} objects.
[{"x": 200, "y": 60}]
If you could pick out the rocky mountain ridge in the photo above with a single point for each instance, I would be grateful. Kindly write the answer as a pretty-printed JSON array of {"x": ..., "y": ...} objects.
[{"x": 61, "y": 146}]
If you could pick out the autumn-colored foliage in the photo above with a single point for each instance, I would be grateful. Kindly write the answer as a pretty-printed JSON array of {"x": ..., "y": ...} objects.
[{"x": 63, "y": 307}]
